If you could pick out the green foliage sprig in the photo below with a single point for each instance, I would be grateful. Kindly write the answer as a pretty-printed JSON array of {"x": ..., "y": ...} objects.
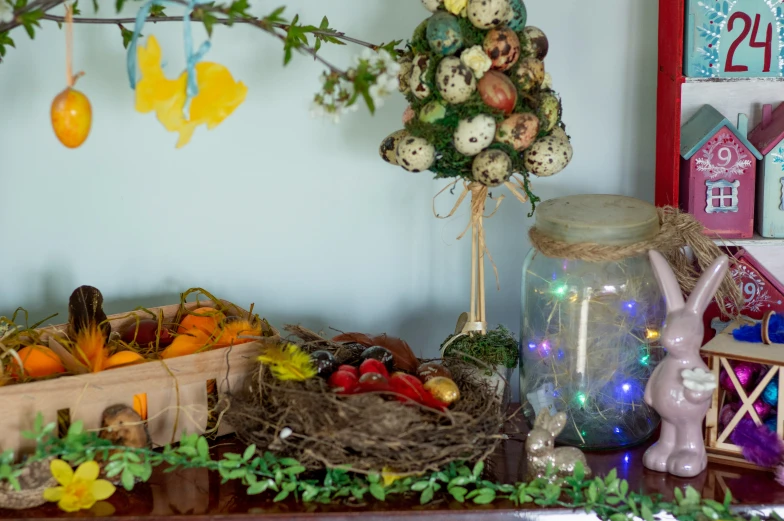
[{"x": 608, "y": 497}]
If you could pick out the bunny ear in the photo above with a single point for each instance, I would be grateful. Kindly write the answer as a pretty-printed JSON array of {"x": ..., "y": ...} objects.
[
  {"x": 542, "y": 420},
  {"x": 667, "y": 281},
  {"x": 557, "y": 424},
  {"x": 708, "y": 285}
]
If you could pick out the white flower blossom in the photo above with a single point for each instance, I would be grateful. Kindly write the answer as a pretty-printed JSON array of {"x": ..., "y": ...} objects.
[
  {"x": 6, "y": 11},
  {"x": 477, "y": 60},
  {"x": 548, "y": 81},
  {"x": 698, "y": 380}
]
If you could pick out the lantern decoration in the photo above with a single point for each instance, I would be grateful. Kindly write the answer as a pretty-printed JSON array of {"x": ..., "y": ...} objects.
[{"x": 481, "y": 110}]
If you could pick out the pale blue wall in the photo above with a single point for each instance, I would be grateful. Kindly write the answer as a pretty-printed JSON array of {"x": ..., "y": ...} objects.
[{"x": 299, "y": 216}]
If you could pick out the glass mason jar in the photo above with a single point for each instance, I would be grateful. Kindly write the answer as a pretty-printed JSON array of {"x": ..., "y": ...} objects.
[{"x": 590, "y": 330}]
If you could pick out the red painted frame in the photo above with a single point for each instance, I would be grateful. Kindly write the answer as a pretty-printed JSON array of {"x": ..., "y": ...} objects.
[{"x": 668, "y": 100}]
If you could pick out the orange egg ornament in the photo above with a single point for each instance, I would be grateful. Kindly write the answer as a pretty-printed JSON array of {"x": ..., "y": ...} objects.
[{"x": 72, "y": 117}]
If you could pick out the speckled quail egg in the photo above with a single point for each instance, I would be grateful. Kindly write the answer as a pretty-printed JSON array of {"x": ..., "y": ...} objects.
[
  {"x": 520, "y": 15},
  {"x": 559, "y": 133},
  {"x": 518, "y": 130},
  {"x": 432, "y": 112},
  {"x": 536, "y": 42},
  {"x": 415, "y": 154},
  {"x": 455, "y": 81},
  {"x": 418, "y": 83},
  {"x": 547, "y": 156},
  {"x": 530, "y": 73},
  {"x": 388, "y": 148},
  {"x": 404, "y": 76},
  {"x": 444, "y": 34},
  {"x": 486, "y": 14},
  {"x": 492, "y": 167},
  {"x": 549, "y": 111},
  {"x": 474, "y": 134},
  {"x": 503, "y": 47},
  {"x": 432, "y": 5}
]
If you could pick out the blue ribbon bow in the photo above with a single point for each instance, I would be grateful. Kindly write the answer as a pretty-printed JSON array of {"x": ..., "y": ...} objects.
[{"x": 191, "y": 58}]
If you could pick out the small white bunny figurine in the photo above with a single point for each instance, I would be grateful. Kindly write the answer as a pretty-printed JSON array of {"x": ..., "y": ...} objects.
[
  {"x": 681, "y": 387},
  {"x": 541, "y": 452}
]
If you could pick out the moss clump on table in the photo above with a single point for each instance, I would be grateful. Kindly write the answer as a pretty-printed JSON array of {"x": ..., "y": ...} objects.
[
  {"x": 496, "y": 348},
  {"x": 608, "y": 497}
]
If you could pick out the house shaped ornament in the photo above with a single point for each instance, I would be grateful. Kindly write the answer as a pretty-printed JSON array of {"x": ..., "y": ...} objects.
[
  {"x": 734, "y": 39},
  {"x": 718, "y": 173},
  {"x": 760, "y": 291},
  {"x": 768, "y": 138}
]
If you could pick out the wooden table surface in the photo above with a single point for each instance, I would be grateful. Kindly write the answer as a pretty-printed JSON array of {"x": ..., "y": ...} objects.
[{"x": 198, "y": 494}]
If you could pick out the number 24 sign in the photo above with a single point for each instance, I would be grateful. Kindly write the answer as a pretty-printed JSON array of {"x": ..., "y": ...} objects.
[{"x": 734, "y": 38}]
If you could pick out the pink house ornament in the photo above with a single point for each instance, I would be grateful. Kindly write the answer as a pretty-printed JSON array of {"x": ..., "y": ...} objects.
[{"x": 718, "y": 173}]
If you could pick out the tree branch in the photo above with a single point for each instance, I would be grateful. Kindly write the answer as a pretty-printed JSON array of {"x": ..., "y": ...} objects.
[{"x": 276, "y": 29}]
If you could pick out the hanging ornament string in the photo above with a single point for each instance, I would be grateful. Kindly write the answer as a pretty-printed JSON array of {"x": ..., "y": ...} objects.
[
  {"x": 70, "y": 78},
  {"x": 191, "y": 57}
]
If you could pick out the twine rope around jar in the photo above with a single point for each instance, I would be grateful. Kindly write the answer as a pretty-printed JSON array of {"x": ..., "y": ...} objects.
[{"x": 677, "y": 230}]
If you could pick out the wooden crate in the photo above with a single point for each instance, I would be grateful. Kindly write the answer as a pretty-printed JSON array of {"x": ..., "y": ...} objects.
[
  {"x": 176, "y": 389},
  {"x": 720, "y": 351}
]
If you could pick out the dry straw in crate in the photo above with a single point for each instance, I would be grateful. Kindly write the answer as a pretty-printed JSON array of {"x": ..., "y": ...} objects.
[
  {"x": 366, "y": 432},
  {"x": 176, "y": 389}
]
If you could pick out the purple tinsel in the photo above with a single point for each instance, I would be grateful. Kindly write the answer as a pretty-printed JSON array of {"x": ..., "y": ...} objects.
[
  {"x": 760, "y": 446},
  {"x": 753, "y": 333}
]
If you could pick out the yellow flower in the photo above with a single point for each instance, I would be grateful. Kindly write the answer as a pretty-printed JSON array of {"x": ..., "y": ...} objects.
[
  {"x": 79, "y": 490},
  {"x": 477, "y": 60},
  {"x": 455, "y": 6},
  {"x": 390, "y": 476},
  {"x": 218, "y": 93}
]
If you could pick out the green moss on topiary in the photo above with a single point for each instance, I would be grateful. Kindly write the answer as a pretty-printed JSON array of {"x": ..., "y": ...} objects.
[{"x": 497, "y": 347}]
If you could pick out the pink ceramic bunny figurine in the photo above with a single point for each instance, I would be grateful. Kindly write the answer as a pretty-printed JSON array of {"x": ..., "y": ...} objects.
[{"x": 681, "y": 387}]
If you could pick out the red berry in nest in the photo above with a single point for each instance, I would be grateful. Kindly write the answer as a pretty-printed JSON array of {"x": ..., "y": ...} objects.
[
  {"x": 343, "y": 382},
  {"x": 372, "y": 382},
  {"x": 408, "y": 387},
  {"x": 349, "y": 369},
  {"x": 373, "y": 366},
  {"x": 379, "y": 353}
]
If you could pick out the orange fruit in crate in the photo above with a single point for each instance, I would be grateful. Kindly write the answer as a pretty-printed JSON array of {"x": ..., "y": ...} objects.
[
  {"x": 123, "y": 358},
  {"x": 187, "y": 344},
  {"x": 72, "y": 117},
  {"x": 204, "y": 319},
  {"x": 38, "y": 361}
]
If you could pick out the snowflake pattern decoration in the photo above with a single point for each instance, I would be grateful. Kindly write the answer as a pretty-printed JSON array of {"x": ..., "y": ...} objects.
[
  {"x": 756, "y": 296},
  {"x": 724, "y": 167},
  {"x": 778, "y": 157}
]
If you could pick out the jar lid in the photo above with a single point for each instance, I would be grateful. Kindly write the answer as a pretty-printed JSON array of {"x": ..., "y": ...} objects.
[{"x": 613, "y": 220}]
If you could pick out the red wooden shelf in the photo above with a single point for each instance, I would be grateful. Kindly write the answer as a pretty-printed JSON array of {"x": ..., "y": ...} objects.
[{"x": 668, "y": 101}]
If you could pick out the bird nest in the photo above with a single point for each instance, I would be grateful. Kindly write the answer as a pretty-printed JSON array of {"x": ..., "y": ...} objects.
[{"x": 366, "y": 432}]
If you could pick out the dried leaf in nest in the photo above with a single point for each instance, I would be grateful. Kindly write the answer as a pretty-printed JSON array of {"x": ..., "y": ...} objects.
[
  {"x": 405, "y": 359},
  {"x": 401, "y": 351},
  {"x": 356, "y": 338},
  {"x": 122, "y": 425},
  {"x": 85, "y": 307}
]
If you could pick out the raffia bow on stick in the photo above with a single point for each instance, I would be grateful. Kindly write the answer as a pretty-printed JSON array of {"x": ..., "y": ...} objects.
[
  {"x": 677, "y": 230},
  {"x": 477, "y": 319}
]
